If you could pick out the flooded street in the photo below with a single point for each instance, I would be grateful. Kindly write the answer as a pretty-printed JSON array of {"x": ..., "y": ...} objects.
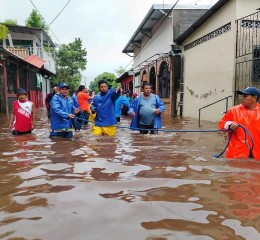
[{"x": 129, "y": 187}]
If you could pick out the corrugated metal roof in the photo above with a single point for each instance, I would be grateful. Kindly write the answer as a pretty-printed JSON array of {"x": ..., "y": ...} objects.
[
  {"x": 35, "y": 61},
  {"x": 30, "y": 30},
  {"x": 156, "y": 12}
]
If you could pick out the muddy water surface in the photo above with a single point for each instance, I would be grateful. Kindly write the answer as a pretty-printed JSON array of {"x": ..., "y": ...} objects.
[{"x": 131, "y": 186}]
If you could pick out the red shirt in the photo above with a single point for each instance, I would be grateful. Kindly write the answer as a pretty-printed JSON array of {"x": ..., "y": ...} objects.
[{"x": 23, "y": 115}]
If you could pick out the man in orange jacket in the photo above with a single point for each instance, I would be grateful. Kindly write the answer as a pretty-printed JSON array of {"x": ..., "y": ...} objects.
[{"x": 246, "y": 114}]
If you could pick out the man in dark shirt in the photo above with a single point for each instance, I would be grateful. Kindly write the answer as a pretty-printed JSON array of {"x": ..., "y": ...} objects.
[{"x": 48, "y": 98}]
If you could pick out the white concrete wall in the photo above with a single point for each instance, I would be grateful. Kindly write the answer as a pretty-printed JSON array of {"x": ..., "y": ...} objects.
[
  {"x": 159, "y": 43},
  {"x": 209, "y": 67}
]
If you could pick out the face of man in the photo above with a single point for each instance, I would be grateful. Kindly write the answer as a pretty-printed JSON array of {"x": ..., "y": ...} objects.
[
  {"x": 22, "y": 97},
  {"x": 248, "y": 101},
  {"x": 64, "y": 91},
  {"x": 147, "y": 90},
  {"x": 103, "y": 88}
]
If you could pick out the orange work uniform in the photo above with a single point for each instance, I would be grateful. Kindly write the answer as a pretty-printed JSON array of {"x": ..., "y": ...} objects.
[
  {"x": 83, "y": 101},
  {"x": 250, "y": 119}
]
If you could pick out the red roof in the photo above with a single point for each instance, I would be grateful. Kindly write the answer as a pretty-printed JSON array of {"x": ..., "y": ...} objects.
[{"x": 35, "y": 60}]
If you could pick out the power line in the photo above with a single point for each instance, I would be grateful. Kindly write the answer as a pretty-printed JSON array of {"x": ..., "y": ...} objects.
[
  {"x": 44, "y": 20},
  {"x": 59, "y": 13},
  {"x": 155, "y": 30}
]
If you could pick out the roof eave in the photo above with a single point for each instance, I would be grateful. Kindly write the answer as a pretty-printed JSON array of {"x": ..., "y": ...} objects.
[{"x": 200, "y": 21}]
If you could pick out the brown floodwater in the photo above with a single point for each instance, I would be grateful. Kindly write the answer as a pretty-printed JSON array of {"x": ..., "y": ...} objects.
[{"x": 128, "y": 187}]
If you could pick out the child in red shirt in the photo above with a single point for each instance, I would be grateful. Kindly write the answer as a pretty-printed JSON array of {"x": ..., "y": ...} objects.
[{"x": 22, "y": 119}]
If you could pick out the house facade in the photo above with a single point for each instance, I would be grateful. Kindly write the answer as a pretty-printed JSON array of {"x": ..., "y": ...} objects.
[
  {"x": 151, "y": 47},
  {"x": 26, "y": 60},
  {"x": 126, "y": 81},
  {"x": 221, "y": 54}
]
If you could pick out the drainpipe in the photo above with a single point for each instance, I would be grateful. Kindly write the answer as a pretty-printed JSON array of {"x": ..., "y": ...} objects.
[
  {"x": 176, "y": 52},
  {"x": 181, "y": 84}
]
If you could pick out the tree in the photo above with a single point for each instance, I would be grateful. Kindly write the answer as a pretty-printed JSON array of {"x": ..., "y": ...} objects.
[
  {"x": 120, "y": 71},
  {"x": 10, "y": 21},
  {"x": 109, "y": 77},
  {"x": 70, "y": 61},
  {"x": 3, "y": 31},
  {"x": 36, "y": 20}
]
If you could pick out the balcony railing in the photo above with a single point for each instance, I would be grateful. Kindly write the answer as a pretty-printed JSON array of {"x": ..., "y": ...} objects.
[{"x": 26, "y": 51}]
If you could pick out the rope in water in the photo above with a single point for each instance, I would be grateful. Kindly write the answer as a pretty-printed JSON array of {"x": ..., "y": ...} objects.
[{"x": 246, "y": 133}]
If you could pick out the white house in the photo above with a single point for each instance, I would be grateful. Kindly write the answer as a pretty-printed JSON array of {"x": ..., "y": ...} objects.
[
  {"x": 151, "y": 47},
  {"x": 220, "y": 53}
]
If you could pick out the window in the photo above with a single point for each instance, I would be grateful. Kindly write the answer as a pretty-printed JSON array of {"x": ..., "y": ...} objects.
[{"x": 256, "y": 65}]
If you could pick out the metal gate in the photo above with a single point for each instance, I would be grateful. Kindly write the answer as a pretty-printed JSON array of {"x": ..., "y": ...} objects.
[{"x": 248, "y": 52}]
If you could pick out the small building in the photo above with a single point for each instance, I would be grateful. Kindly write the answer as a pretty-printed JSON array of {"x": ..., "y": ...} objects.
[
  {"x": 126, "y": 81},
  {"x": 26, "y": 60},
  {"x": 151, "y": 47},
  {"x": 221, "y": 54}
]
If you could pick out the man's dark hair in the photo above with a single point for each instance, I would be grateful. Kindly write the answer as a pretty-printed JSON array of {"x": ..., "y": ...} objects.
[
  {"x": 81, "y": 87},
  {"x": 145, "y": 83},
  {"x": 102, "y": 81}
]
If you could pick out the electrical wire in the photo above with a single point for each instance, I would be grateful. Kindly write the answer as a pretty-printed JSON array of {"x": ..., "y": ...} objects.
[
  {"x": 154, "y": 31},
  {"x": 59, "y": 13},
  {"x": 44, "y": 20}
]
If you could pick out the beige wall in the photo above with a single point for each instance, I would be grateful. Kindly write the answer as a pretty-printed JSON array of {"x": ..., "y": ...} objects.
[
  {"x": 246, "y": 7},
  {"x": 209, "y": 67}
]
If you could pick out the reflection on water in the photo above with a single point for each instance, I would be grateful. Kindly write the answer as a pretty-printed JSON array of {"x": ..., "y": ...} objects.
[{"x": 131, "y": 186}]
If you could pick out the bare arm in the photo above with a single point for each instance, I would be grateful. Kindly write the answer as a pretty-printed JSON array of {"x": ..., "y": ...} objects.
[{"x": 11, "y": 120}]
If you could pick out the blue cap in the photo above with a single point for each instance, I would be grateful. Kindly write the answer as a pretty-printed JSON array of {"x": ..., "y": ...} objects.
[
  {"x": 250, "y": 91},
  {"x": 63, "y": 85},
  {"x": 21, "y": 91}
]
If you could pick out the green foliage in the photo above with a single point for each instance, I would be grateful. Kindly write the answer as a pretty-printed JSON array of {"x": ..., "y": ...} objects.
[
  {"x": 35, "y": 20},
  {"x": 120, "y": 71},
  {"x": 3, "y": 31},
  {"x": 10, "y": 21},
  {"x": 109, "y": 77},
  {"x": 70, "y": 61}
]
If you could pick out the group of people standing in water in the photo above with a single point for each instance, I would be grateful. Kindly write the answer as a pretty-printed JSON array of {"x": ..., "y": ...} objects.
[{"x": 103, "y": 110}]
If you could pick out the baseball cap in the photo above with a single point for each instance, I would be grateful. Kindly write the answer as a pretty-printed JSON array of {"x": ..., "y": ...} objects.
[
  {"x": 250, "y": 91},
  {"x": 21, "y": 91},
  {"x": 63, "y": 85}
]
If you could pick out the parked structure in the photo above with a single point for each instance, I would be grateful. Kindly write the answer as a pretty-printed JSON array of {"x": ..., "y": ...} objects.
[
  {"x": 126, "y": 81},
  {"x": 221, "y": 53},
  {"x": 151, "y": 47},
  {"x": 27, "y": 61}
]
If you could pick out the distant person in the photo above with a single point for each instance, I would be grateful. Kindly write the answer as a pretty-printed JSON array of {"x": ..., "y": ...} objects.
[
  {"x": 83, "y": 101},
  {"x": 247, "y": 114},
  {"x": 125, "y": 107},
  {"x": 62, "y": 113},
  {"x": 104, "y": 107},
  {"x": 22, "y": 119},
  {"x": 146, "y": 111},
  {"x": 74, "y": 97},
  {"x": 134, "y": 95},
  {"x": 48, "y": 98},
  {"x": 120, "y": 102}
]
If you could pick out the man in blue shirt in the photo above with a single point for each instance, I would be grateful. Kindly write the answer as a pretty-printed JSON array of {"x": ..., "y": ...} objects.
[
  {"x": 62, "y": 112},
  {"x": 146, "y": 111},
  {"x": 104, "y": 107}
]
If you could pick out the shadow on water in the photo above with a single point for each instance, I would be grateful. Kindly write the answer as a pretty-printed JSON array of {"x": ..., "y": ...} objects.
[{"x": 131, "y": 186}]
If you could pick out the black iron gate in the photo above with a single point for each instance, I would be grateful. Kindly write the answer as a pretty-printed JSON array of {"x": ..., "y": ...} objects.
[{"x": 248, "y": 52}]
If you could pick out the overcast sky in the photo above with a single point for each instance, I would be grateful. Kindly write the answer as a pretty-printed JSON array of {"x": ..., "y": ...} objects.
[{"x": 105, "y": 26}]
